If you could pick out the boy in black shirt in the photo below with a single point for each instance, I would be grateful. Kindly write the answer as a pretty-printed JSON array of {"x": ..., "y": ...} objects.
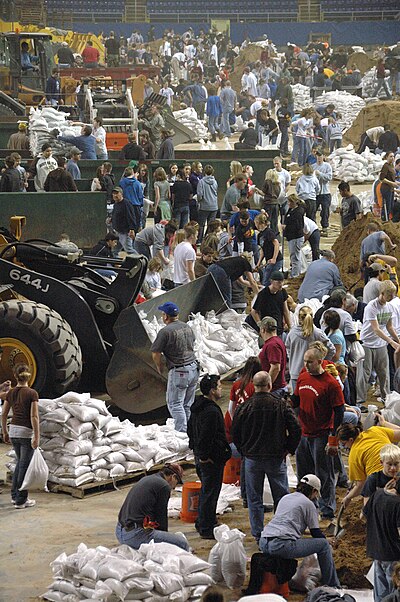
[
  {"x": 244, "y": 233},
  {"x": 284, "y": 117},
  {"x": 181, "y": 194},
  {"x": 270, "y": 249}
]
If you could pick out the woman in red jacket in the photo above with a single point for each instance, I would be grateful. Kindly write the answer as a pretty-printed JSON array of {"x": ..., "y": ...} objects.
[{"x": 242, "y": 389}]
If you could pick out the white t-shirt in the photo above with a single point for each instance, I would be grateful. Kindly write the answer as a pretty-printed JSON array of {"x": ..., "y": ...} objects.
[
  {"x": 303, "y": 127},
  {"x": 375, "y": 311},
  {"x": 168, "y": 93},
  {"x": 395, "y": 307},
  {"x": 309, "y": 226},
  {"x": 184, "y": 252},
  {"x": 284, "y": 178}
]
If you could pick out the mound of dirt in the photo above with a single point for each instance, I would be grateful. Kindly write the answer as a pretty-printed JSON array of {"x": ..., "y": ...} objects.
[
  {"x": 361, "y": 60},
  {"x": 373, "y": 115},
  {"x": 350, "y": 557},
  {"x": 250, "y": 54},
  {"x": 348, "y": 244}
]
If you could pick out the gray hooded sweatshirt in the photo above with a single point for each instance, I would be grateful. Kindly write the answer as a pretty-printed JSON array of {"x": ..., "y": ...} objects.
[{"x": 207, "y": 193}]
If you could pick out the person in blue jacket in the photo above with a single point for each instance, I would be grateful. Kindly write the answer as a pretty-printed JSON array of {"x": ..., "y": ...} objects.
[
  {"x": 53, "y": 89},
  {"x": 213, "y": 112},
  {"x": 133, "y": 192},
  {"x": 85, "y": 142}
]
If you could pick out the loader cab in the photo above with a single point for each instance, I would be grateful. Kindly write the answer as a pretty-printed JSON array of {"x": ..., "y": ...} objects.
[{"x": 28, "y": 58}]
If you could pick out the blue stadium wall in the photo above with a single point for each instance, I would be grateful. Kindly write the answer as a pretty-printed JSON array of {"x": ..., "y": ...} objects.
[{"x": 362, "y": 33}]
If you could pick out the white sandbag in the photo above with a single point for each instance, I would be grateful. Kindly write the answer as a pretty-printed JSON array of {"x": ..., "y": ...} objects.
[
  {"x": 81, "y": 480},
  {"x": 233, "y": 560},
  {"x": 100, "y": 463},
  {"x": 141, "y": 582},
  {"x": 215, "y": 555},
  {"x": 197, "y": 579},
  {"x": 132, "y": 455},
  {"x": 100, "y": 406},
  {"x": 115, "y": 457},
  {"x": 114, "y": 426},
  {"x": 100, "y": 421},
  {"x": 78, "y": 448},
  {"x": 98, "y": 451},
  {"x": 37, "y": 473},
  {"x": 101, "y": 474},
  {"x": 307, "y": 576},
  {"x": 132, "y": 466},
  {"x": 166, "y": 583},
  {"x": 58, "y": 415},
  {"x": 116, "y": 470},
  {"x": 75, "y": 461},
  {"x": 192, "y": 564},
  {"x": 83, "y": 413},
  {"x": 77, "y": 426},
  {"x": 47, "y": 427},
  {"x": 53, "y": 596},
  {"x": 71, "y": 472},
  {"x": 62, "y": 585},
  {"x": 118, "y": 568}
]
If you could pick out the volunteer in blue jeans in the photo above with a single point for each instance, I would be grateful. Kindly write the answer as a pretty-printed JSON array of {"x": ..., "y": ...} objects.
[
  {"x": 23, "y": 432},
  {"x": 264, "y": 430},
  {"x": 295, "y": 513},
  {"x": 176, "y": 342},
  {"x": 144, "y": 513}
]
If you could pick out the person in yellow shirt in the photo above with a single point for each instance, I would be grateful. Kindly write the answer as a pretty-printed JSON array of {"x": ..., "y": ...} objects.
[{"x": 365, "y": 447}]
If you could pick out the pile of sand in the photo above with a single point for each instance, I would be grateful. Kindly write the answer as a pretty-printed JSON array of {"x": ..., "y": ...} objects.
[
  {"x": 348, "y": 244},
  {"x": 361, "y": 61},
  {"x": 373, "y": 115},
  {"x": 250, "y": 54}
]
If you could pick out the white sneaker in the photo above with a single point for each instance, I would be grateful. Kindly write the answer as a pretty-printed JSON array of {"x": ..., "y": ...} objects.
[{"x": 28, "y": 504}]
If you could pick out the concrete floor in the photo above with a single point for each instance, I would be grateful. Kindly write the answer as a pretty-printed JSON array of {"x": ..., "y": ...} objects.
[{"x": 34, "y": 537}]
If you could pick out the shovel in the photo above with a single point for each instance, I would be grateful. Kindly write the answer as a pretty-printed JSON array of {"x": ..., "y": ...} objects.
[{"x": 339, "y": 530}]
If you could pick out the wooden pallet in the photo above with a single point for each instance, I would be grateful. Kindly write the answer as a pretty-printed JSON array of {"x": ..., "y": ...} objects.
[{"x": 98, "y": 487}]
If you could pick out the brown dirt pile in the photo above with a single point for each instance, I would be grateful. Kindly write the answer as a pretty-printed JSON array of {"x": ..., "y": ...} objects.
[
  {"x": 361, "y": 60},
  {"x": 250, "y": 54},
  {"x": 347, "y": 248},
  {"x": 373, "y": 115},
  {"x": 350, "y": 557}
]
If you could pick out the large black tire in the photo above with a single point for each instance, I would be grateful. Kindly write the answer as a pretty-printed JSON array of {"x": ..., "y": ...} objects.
[{"x": 51, "y": 341}]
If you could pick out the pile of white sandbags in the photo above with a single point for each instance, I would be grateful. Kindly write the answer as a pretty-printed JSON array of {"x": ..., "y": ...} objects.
[
  {"x": 350, "y": 166},
  {"x": 222, "y": 341},
  {"x": 301, "y": 97},
  {"x": 41, "y": 124},
  {"x": 346, "y": 104},
  {"x": 369, "y": 84},
  {"x": 189, "y": 118},
  {"x": 82, "y": 442},
  {"x": 158, "y": 572}
]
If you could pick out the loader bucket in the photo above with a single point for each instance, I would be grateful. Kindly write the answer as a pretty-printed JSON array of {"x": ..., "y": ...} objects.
[{"x": 132, "y": 380}]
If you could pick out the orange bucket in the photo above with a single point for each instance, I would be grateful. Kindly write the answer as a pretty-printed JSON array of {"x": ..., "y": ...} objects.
[
  {"x": 232, "y": 471},
  {"x": 270, "y": 585},
  {"x": 190, "y": 501}
]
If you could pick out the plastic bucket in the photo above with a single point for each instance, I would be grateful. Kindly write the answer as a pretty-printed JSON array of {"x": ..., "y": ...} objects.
[
  {"x": 190, "y": 501},
  {"x": 270, "y": 585},
  {"x": 232, "y": 471}
]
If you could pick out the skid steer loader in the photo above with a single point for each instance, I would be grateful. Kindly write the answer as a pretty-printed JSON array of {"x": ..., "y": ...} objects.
[{"x": 79, "y": 331}]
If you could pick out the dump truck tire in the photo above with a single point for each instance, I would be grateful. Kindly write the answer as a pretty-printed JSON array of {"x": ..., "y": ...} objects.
[{"x": 50, "y": 346}]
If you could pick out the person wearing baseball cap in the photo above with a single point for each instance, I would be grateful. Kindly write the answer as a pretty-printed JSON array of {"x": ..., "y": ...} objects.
[
  {"x": 19, "y": 140},
  {"x": 295, "y": 513},
  {"x": 273, "y": 354},
  {"x": 144, "y": 514},
  {"x": 176, "y": 343},
  {"x": 376, "y": 273},
  {"x": 271, "y": 301}
]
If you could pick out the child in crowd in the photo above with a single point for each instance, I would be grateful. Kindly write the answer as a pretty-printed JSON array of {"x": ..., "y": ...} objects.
[
  {"x": 390, "y": 460},
  {"x": 334, "y": 134},
  {"x": 244, "y": 233},
  {"x": 153, "y": 274}
]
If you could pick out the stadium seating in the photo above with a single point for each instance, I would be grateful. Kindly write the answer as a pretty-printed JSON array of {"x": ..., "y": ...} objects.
[{"x": 90, "y": 10}]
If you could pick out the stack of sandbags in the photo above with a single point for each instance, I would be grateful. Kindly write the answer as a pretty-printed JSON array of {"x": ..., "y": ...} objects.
[
  {"x": 301, "y": 97},
  {"x": 156, "y": 572},
  {"x": 189, "y": 118},
  {"x": 369, "y": 84},
  {"x": 42, "y": 122},
  {"x": 346, "y": 104},
  {"x": 349, "y": 166},
  {"x": 222, "y": 341},
  {"x": 82, "y": 442}
]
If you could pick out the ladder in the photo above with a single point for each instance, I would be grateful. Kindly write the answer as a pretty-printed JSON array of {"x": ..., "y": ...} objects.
[{"x": 135, "y": 11}]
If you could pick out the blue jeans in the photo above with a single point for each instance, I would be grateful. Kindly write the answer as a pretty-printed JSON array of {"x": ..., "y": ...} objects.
[
  {"x": 324, "y": 201},
  {"x": 276, "y": 471},
  {"x": 24, "y": 452},
  {"x": 126, "y": 243},
  {"x": 273, "y": 213},
  {"x": 296, "y": 148},
  {"x": 236, "y": 454},
  {"x": 284, "y": 148},
  {"x": 383, "y": 585},
  {"x": 142, "y": 248},
  {"x": 225, "y": 126},
  {"x": 213, "y": 124},
  {"x": 335, "y": 144},
  {"x": 300, "y": 548},
  {"x": 312, "y": 458},
  {"x": 102, "y": 156},
  {"x": 210, "y": 476},
  {"x": 294, "y": 251},
  {"x": 223, "y": 282},
  {"x": 267, "y": 271},
  {"x": 181, "y": 215},
  {"x": 181, "y": 388},
  {"x": 303, "y": 150},
  {"x": 205, "y": 216},
  {"x": 136, "y": 537},
  {"x": 382, "y": 83}
]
